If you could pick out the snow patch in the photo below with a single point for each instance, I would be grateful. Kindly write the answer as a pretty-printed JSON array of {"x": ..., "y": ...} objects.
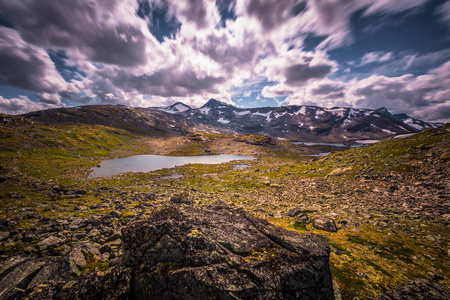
[
  {"x": 205, "y": 110},
  {"x": 267, "y": 115},
  {"x": 301, "y": 111},
  {"x": 242, "y": 113},
  {"x": 404, "y": 135},
  {"x": 411, "y": 123},
  {"x": 223, "y": 121},
  {"x": 180, "y": 108},
  {"x": 340, "y": 112}
]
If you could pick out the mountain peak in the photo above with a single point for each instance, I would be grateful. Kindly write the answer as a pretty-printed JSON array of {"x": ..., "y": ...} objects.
[
  {"x": 383, "y": 110},
  {"x": 213, "y": 103},
  {"x": 177, "y": 107}
]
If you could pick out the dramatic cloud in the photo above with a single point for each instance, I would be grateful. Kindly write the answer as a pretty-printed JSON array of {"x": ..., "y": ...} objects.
[
  {"x": 21, "y": 105},
  {"x": 98, "y": 31},
  {"x": 26, "y": 66},
  {"x": 331, "y": 18},
  {"x": 296, "y": 68}
]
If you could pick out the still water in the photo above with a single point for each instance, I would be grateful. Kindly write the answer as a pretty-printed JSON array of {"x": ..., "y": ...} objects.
[{"x": 148, "y": 163}]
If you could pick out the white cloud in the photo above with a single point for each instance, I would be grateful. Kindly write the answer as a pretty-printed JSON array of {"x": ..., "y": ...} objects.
[
  {"x": 376, "y": 57},
  {"x": 21, "y": 105}
]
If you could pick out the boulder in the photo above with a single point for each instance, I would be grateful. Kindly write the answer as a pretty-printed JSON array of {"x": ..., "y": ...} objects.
[
  {"x": 82, "y": 250},
  {"x": 325, "y": 223},
  {"x": 182, "y": 252},
  {"x": 19, "y": 274},
  {"x": 417, "y": 289}
]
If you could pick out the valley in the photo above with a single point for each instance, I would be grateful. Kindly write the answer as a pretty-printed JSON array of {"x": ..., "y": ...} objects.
[{"x": 384, "y": 208}]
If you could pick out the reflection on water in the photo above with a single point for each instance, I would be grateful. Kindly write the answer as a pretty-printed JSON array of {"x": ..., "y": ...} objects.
[{"x": 148, "y": 163}]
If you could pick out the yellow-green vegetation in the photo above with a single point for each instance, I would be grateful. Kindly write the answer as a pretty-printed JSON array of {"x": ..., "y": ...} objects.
[{"x": 388, "y": 232}]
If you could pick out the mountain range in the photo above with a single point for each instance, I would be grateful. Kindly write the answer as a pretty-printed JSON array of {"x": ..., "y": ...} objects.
[
  {"x": 305, "y": 123},
  {"x": 292, "y": 123}
]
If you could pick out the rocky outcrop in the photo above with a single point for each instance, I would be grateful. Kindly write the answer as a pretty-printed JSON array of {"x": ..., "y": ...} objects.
[
  {"x": 111, "y": 285},
  {"x": 183, "y": 252},
  {"x": 19, "y": 275},
  {"x": 223, "y": 253},
  {"x": 417, "y": 289}
]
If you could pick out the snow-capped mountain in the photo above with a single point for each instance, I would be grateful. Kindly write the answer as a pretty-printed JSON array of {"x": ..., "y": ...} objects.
[
  {"x": 413, "y": 122},
  {"x": 176, "y": 108},
  {"x": 410, "y": 121},
  {"x": 300, "y": 122}
]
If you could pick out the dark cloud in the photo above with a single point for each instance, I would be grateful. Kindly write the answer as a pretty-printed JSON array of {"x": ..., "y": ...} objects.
[
  {"x": 327, "y": 89},
  {"x": 98, "y": 30},
  {"x": 168, "y": 83},
  {"x": 26, "y": 66},
  {"x": 270, "y": 13},
  {"x": 300, "y": 73},
  {"x": 229, "y": 56}
]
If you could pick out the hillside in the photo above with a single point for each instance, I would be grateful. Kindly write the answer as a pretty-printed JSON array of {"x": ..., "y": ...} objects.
[{"x": 383, "y": 208}]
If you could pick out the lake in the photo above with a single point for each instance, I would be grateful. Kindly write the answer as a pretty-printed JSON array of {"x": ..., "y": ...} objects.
[{"x": 148, "y": 163}]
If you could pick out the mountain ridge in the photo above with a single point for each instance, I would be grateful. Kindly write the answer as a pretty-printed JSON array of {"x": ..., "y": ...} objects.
[{"x": 291, "y": 122}]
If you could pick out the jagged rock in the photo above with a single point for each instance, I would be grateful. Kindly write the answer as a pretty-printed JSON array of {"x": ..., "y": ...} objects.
[
  {"x": 417, "y": 289},
  {"x": 81, "y": 250},
  {"x": 326, "y": 223},
  {"x": 19, "y": 274},
  {"x": 111, "y": 285},
  {"x": 223, "y": 253},
  {"x": 50, "y": 243}
]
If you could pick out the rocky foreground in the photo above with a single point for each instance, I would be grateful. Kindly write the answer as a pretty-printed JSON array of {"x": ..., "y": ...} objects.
[{"x": 181, "y": 252}]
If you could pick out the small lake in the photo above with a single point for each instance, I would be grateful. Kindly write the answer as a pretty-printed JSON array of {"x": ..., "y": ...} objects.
[
  {"x": 148, "y": 163},
  {"x": 321, "y": 144}
]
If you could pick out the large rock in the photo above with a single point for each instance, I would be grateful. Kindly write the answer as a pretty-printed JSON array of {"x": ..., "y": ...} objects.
[
  {"x": 182, "y": 252},
  {"x": 19, "y": 275},
  {"x": 111, "y": 285},
  {"x": 326, "y": 223},
  {"x": 417, "y": 289}
]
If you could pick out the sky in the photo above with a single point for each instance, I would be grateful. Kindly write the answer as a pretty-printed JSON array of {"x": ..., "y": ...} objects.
[{"x": 249, "y": 53}]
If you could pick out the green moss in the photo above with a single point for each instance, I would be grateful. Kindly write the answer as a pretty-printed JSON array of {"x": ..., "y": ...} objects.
[
  {"x": 93, "y": 265},
  {"x": 297, "y": 225}
]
